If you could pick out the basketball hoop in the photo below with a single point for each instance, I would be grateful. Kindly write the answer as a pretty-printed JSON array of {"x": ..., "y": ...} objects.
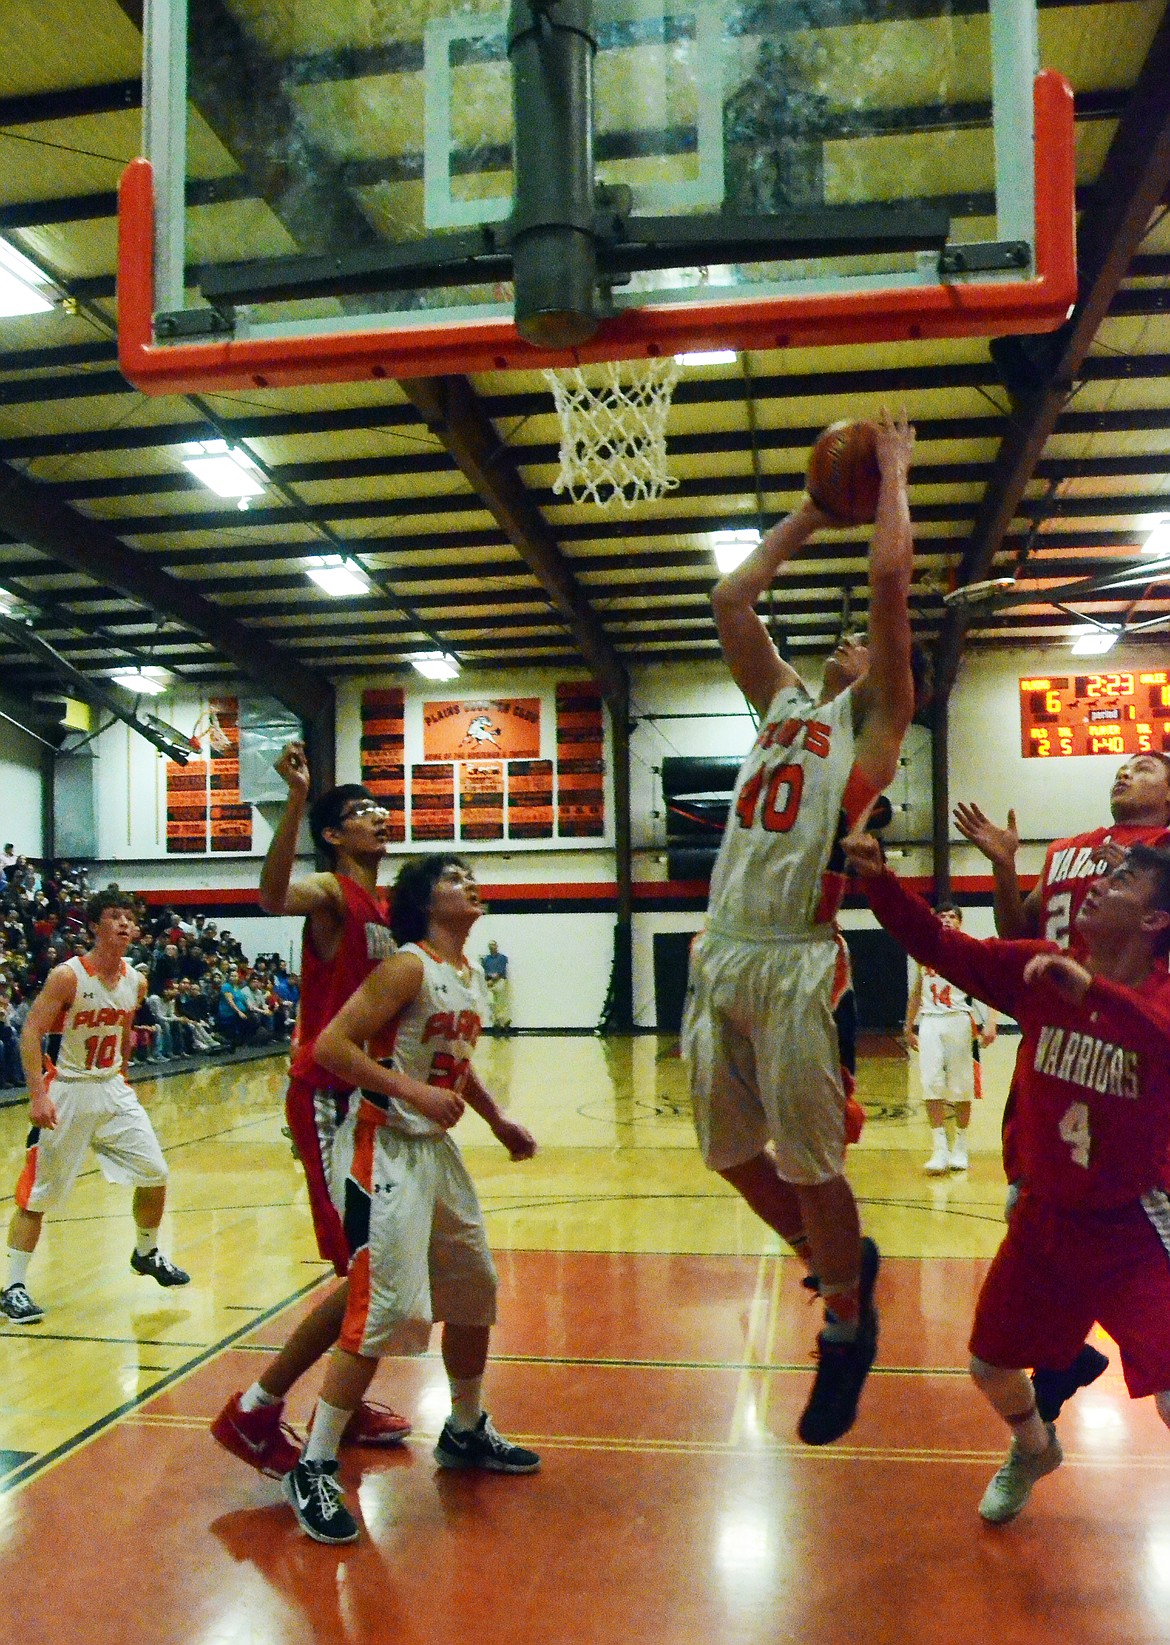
[
  {"x": 209, "y": 730},
  {"x": 613, "y": 432}
]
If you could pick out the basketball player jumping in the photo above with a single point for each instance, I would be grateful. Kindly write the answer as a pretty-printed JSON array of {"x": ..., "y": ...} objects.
[
  {"x": 85, "y": 1101},
  {"x": 758, "y": 1030}
]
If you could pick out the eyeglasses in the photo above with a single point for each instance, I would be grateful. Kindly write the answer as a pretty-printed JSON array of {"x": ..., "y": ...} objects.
[{"x": 367, "y": 808}]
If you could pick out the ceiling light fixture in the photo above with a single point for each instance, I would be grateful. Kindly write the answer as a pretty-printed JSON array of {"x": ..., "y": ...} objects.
[
  {"x": 147, "y": 682},
  {"x": 731, "y": 548},
  {"x": 707, "y": 357},
  {"x": 1158, "y": 542},
  {"x": 223, "y": 469},
  {"x": 1091, "y": 641},
  {"x": 23, "y": 287},
  {"x": 338, "y": 576},
  {"x": 435, "y": 665}
]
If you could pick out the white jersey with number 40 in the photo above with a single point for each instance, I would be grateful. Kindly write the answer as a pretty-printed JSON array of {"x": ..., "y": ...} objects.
[
  {"x": 92, "y": 1027},
  {"x": 798, "y": 792}
]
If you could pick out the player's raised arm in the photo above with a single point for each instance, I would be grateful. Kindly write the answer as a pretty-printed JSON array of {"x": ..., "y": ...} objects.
[
  {"x": 756, "y": 666},
  {"x": 1015, "y": 914},
  {"x": 279, "y": 894},
  {"x": 886, "y": 696}
]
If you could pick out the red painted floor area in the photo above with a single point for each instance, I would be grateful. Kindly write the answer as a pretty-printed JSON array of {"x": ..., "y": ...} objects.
[{"x": 674, "y": 1505}]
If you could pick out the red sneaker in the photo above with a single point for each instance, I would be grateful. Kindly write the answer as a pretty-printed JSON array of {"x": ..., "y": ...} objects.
[
  {"x": 258, "y": 1437},
  {"x": 375, "y": 1425}
]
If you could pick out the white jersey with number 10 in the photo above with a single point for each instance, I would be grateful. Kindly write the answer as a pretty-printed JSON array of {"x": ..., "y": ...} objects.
[{"x": 91, "y": 1029}]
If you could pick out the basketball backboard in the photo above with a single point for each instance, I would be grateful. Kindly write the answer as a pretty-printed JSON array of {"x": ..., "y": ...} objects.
[{"x": 328, "y": 186}]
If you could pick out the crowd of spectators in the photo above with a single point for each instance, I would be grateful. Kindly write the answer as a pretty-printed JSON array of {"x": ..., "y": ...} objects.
[{"x": 203, "y": 994}]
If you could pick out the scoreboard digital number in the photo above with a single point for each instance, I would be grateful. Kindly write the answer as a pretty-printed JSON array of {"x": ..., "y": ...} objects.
[{"x": 1114, "y": 714}]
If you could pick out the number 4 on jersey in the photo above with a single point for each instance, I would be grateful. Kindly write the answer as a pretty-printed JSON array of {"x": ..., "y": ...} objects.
[{"x": 1074, "y": 1129}]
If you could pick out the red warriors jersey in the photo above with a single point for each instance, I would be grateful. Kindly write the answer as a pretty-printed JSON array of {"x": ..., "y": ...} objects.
[
  {"x": 327, "y": 984},
  {"x": 92, "y": 1028},
  {"x": 432, "y": 1039},
  {"x": 1092, "y": 1081},
  {"x": 798, "y": 793},
  {"x": 1072, "y": 866}
]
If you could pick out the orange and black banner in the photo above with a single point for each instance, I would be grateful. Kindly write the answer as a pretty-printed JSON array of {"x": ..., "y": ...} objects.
[
  {"x": 481, "y": 801},
  {"x": 530, "y": 799},
  {"x": 499, "y": 728},
  {"x": 432, "y": 802},
  {"x": 580, "y": 761},
  {"x": 231, "y": 819},
  {"x": 383, "y": 760},
  {"x": 186, "y": 807}
]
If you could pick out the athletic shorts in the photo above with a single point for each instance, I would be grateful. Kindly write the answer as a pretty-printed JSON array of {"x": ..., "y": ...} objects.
[
  {"x": 103, "y": 1115},
  {"x": 759, "y": 1036},
  {"x": 313, "y": 1118},
  {"x": 1059, "y": 1272},
  {"x": 946, "y": 1066},
  {"x": 415, "y": 1230}
]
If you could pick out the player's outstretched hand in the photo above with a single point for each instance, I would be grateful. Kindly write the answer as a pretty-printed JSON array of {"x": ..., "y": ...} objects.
[
  {"x": 293, "y": 766},
  {"x": 517, "y": 1139},
  {"x": 894, "y": 445},
  {"x": 1061, "y": 972},
  {"x": 863, "y": 854},
  {"x": 1112, "y": 854},
  {"x": 815, "y": 518},
  {"x": 998, "y": 845}
]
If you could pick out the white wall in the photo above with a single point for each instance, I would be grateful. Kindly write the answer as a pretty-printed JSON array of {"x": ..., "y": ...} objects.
[{"x": 22, "y": 785}]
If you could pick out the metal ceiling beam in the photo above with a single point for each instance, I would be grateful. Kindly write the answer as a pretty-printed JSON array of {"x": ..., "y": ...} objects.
[
  {"x": 455, "y": 415},
  {"x": 1133, "y": 180},
  {"x": 90, "y": 547}
]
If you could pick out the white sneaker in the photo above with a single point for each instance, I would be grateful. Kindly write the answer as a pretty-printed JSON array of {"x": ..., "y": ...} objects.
[
  {"x": 939, "y": 1162},
  {"x": 1011, "y": 1487},
  {"x": 957, "y": 1160}
]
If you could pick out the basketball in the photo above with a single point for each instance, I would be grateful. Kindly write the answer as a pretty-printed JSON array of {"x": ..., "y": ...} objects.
[{"x": 843, "y": 474}]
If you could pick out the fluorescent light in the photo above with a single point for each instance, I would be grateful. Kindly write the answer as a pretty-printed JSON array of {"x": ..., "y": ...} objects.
[
  {"x": 708, "y": 357},
  {"x": 731, "y": 548},
  {"x": 337, "y": 576},
  {"x": 226, "y": 472},
  {"x": 149, "y": 682},
  {"x": 1158, "y": 542},
  {"x": 23, "y": 288},
  {"x": 435, "y": 665},
  {"x": 1093, "y": 642}
]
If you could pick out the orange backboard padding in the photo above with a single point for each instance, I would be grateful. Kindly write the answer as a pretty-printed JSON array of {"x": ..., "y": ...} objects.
[{"x": 977, "y": 309}]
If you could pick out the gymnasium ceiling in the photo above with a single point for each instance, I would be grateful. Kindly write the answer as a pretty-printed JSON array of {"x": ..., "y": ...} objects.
[{"x": 118, "y": 556}]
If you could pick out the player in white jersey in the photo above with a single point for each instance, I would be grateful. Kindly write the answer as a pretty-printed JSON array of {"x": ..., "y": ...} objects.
[
  {"x": 940, "y": 1024},
  {"x": 84, "y": 1101},
  {"x": 758, "y": 1028},
  {"x": 415, "y": 1229}
]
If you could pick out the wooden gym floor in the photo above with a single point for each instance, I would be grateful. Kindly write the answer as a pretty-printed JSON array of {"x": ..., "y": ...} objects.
[{"x": 653, "y": 1345}]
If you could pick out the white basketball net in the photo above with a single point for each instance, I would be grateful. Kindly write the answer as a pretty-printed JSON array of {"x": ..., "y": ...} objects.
[{"x": 613, "y": 433}]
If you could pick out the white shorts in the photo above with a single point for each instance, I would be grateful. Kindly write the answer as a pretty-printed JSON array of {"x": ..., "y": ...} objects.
[
  {"x": 946, "y": 1066},
  {"x": 759, "y": 1035},
  {"x": 418, "y": 1251},
  {"x": 104, "y": 1115}
]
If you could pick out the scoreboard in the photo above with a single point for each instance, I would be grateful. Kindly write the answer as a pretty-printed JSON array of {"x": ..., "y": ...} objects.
[{"x": 1114, "y": 714}]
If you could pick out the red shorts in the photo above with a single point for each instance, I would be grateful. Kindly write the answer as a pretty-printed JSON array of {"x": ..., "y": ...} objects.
[
  {"x": 313, "y": 1117},
  {"x": 1058, "y": 1273}
]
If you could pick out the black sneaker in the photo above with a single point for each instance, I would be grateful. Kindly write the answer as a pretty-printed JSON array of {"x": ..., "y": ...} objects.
[
  {"x": 482, "y": 1447},
  {"x": 314, "y": 1494},
  {"x": 843, "y": 1366},
  {"x": 18, "y": 1306},
  {"x": 159, "y": 1267},
  {"x": 1054, "y": 1387}
]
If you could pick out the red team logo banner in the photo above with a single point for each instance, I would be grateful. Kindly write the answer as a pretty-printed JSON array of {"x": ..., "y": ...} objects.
[
  {"x": 481, "y": 801},
  {"x": 432, "y": 802},
  {"x": 502, "y": 728},
  {"x": 383, "y": 758},
  {"x": 580, "y": 760}
]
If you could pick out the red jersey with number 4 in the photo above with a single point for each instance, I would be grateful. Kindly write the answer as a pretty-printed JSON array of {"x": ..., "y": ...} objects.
[
  {"x": 779, "y": 871},
  {"x": 1092, "y": 1081},
  {"x": 1071, "y": 866},
  {"x": 327, "y": 984},
  {"x": 92, "y": 1028}
]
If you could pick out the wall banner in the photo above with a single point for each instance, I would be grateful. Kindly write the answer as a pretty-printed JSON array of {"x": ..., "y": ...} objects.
[
  {"x": 432, "y": 802},
  {"x": 383, "y": 760},
  {"x": 231, "y": 818},
  {"x": 186, "y": 807},
  {"x": 499, "y": 728},
  {"x": 530, "y": 800},
  {"x": 481, "y": 801},
  {"x": 580, "y": 760}
]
